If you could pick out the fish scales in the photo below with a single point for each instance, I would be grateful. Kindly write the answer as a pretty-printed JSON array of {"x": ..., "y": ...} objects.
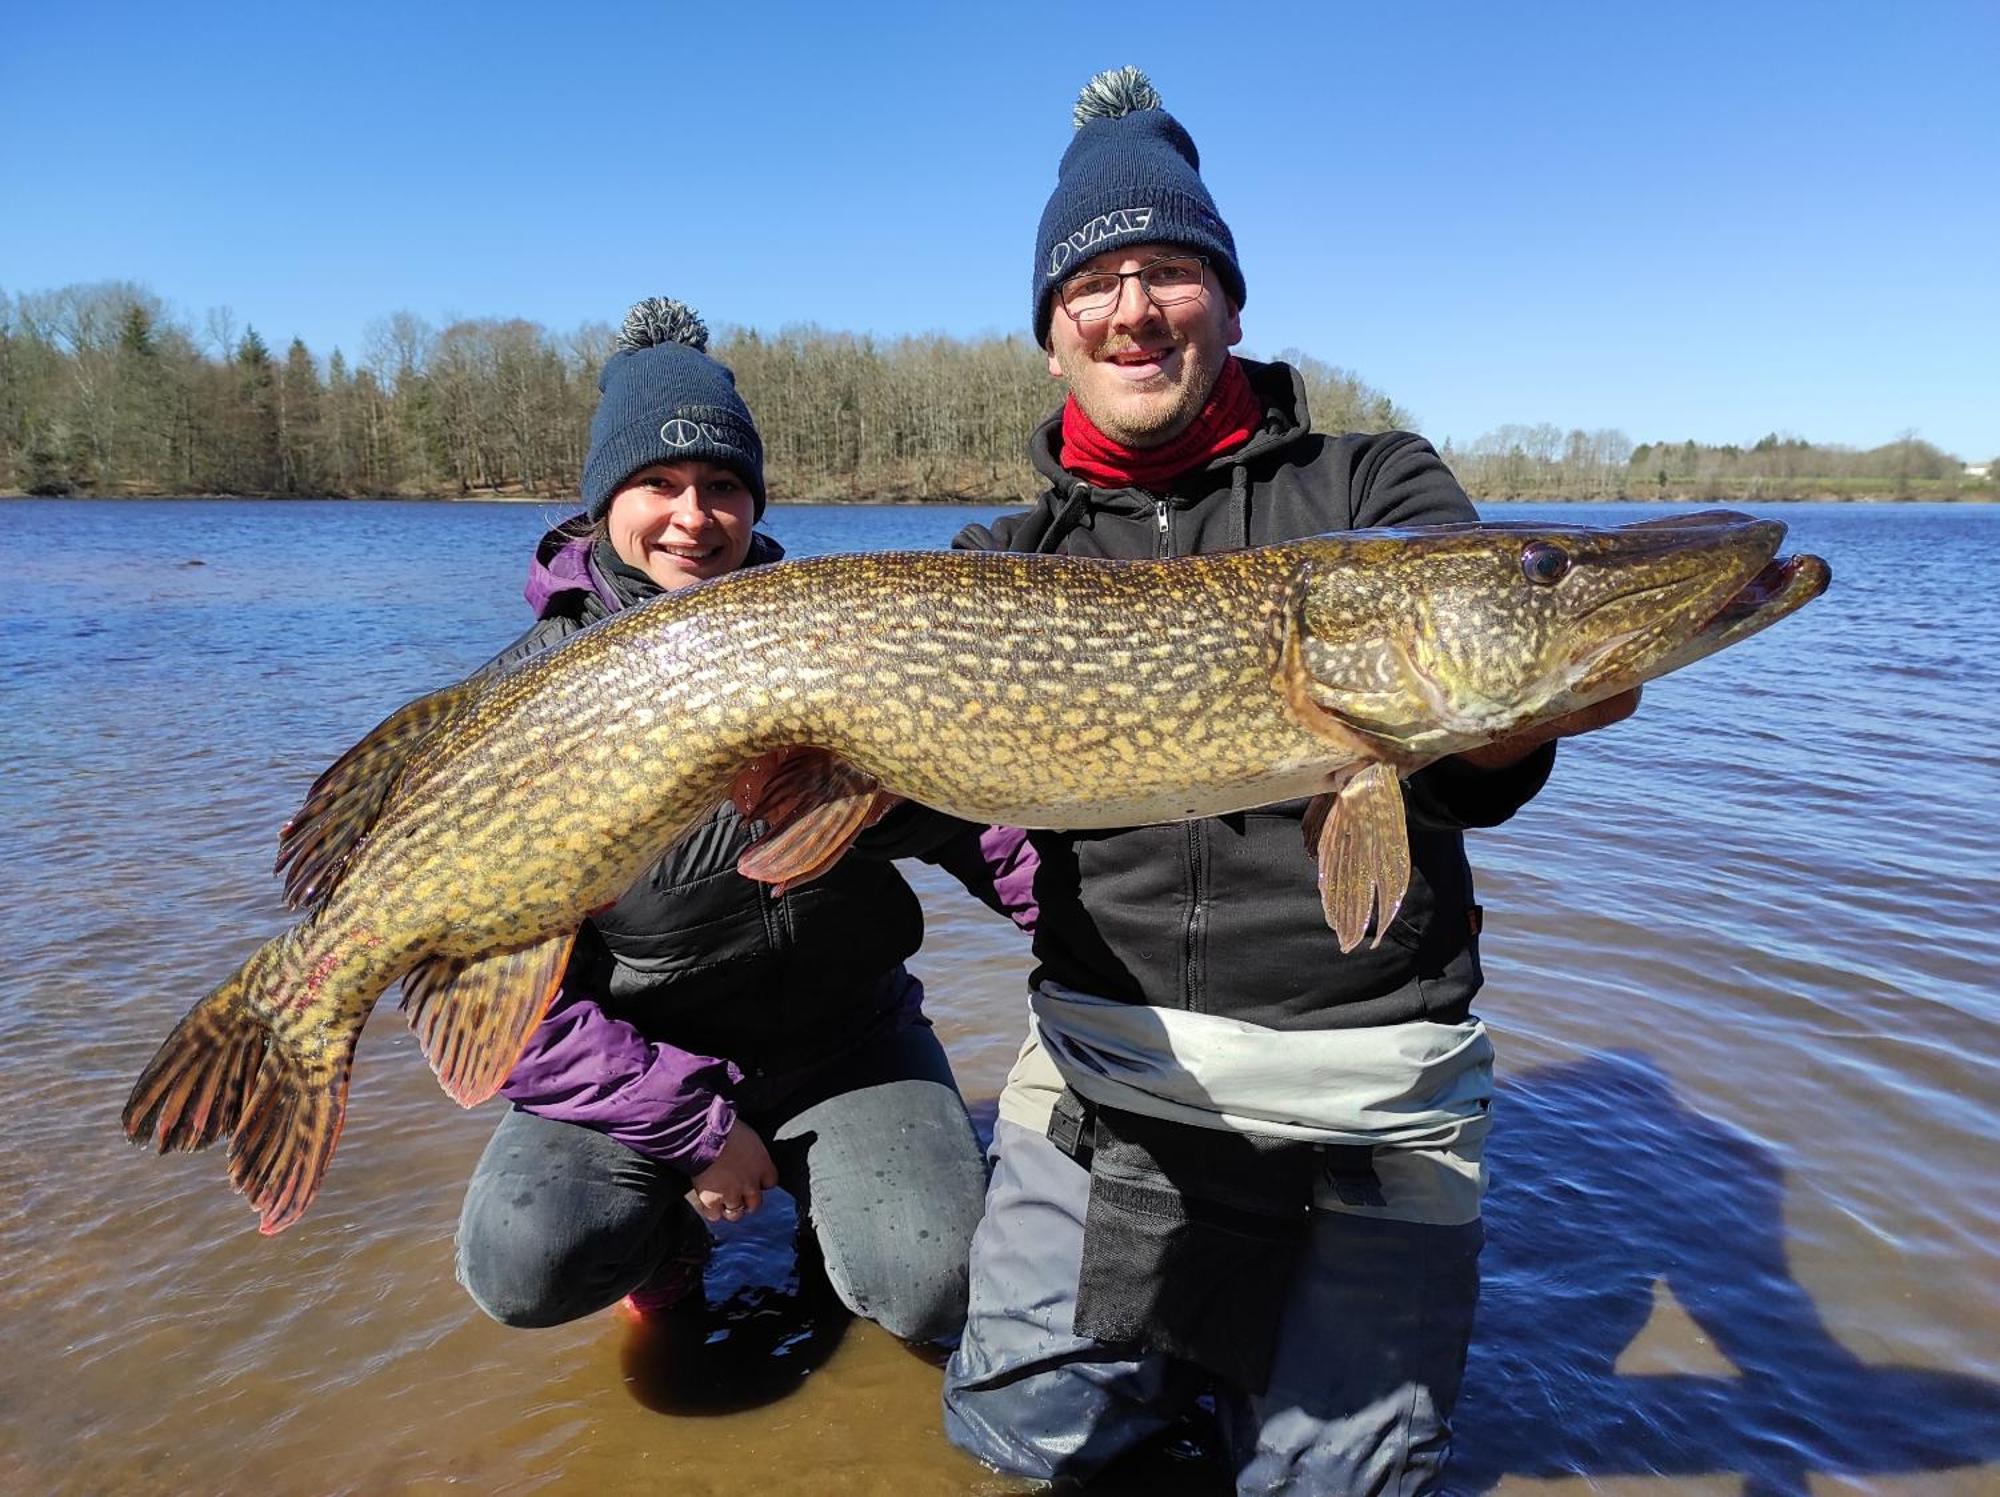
[
  {"x": 938, "y": 674},
  {"x": 459, "y": 846},
  {"x": 1146, "y": 686}
]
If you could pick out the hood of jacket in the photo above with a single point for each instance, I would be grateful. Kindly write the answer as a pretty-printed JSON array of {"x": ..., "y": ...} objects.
[{"x": 563, "y": 579}]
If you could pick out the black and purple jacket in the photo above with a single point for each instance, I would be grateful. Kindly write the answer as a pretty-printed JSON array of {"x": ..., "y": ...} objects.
[{"x": 698, "y": 979}]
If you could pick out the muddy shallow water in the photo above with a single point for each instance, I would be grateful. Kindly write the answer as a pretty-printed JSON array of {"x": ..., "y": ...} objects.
[{"x": 1740, "y": 958}]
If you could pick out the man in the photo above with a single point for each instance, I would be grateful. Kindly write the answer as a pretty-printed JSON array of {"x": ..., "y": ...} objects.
[{"x": 1141, "y": 1244}]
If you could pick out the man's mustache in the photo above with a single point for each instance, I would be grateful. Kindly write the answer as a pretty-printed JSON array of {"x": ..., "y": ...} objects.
[{"x": 1111, "y": 348}]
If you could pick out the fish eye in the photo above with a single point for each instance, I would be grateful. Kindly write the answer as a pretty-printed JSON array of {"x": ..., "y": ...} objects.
[{"x": 1544, "y": 563}]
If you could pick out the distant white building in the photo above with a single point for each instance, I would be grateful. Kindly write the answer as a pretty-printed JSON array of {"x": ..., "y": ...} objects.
[{"x": 1978, "y": 470}]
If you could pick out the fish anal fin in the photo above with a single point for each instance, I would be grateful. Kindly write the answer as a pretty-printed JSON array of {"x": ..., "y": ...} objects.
[
  {"x": 1364, "y": 854},
  {"x": 472, "y": 1019},
  {"x": 323, "y": 834},
  {"x": 813, "y": 802}
]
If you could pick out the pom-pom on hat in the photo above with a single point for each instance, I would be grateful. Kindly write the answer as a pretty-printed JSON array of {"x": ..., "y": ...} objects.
[
  {"x": 663, "y": 400},
  {"x": 1131, "y": 175}
]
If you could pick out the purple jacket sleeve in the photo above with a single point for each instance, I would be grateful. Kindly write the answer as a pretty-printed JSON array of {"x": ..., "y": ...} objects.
[
  {"x": 583, "y": 1066},
  {"x": 997, "y": 866}
]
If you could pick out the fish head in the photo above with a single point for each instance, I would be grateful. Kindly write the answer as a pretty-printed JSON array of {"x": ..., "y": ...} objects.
[{"x": 1428, "y": 642}]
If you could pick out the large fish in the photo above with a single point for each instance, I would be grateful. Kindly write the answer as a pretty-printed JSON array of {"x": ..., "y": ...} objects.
[{"x": 459, "y": 845}]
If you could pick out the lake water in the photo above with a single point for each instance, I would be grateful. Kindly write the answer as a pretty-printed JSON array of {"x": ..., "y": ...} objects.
[{"x": 1741, "y": 957}]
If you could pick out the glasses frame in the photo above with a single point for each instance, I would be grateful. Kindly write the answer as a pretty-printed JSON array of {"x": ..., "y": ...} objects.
[{"x": 1100, "y": 314}]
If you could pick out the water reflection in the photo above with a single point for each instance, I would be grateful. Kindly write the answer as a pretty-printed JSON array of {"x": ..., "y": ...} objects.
[{"x": 1777, "y": 882}]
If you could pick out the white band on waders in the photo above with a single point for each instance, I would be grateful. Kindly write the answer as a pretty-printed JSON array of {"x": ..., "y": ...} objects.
[{"x": 1417, "y": 1093}]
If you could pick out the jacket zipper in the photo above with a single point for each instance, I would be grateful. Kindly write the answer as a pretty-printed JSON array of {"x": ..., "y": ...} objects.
[
  {"x": 1192, "y": 989},
  {"x": 1195, "y": 987}
]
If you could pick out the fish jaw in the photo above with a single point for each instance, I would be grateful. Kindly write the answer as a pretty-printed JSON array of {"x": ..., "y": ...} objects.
[
  {"x": 1428, "y": 643},
  {"x": 1777, "y": 592}
]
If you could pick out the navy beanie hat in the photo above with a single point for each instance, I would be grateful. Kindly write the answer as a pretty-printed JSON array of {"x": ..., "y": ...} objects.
[
  {"x": 663, "y": 400},
  {"x": 1131, "y": 176}
]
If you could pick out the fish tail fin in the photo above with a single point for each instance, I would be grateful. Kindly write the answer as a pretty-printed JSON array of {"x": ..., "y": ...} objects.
[
  {"x": 222, "y": 1072},
  {"x": 193, "y": 1089},
  {"x": 287, "y": 1133}
]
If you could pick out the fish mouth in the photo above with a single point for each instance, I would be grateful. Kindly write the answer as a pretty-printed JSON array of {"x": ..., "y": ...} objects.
[
  {"x": 1405, "y": 703},
  {"x": 1786, "y": 582},
  {"x": 1781, "y": 586}
]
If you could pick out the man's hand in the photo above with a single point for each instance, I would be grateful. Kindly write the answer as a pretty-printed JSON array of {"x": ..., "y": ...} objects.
[
  {"x": 733, "y": 1187},
  {"x": 1504, "y": 752}
]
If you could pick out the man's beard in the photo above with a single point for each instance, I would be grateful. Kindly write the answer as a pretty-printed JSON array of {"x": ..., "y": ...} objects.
[{"x": 1156, "y": 416}]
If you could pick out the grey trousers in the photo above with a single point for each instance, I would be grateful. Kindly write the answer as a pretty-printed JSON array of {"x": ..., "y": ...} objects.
[
  {"x": 1370, "y": 1354},
  {"x": 560, "y": 1221}
]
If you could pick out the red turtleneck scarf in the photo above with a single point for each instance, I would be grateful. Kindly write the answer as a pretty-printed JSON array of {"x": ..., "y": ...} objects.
[{"x": 1225, "y": 422}]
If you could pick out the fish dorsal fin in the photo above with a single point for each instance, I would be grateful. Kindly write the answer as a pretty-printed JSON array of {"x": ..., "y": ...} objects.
[
  {"x": 473, "y": 1018},
  {"x": 1364, "y": 854},
  {"x": 815, "y": 804},
  {"x": 315, "y": 845}
]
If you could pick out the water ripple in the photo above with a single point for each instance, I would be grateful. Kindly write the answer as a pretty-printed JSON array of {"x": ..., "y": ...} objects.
[{"x": 1740, "y": 960}]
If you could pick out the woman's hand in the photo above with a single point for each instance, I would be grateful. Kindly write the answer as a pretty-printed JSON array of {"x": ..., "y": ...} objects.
[{"x": 733, "y": 1187}]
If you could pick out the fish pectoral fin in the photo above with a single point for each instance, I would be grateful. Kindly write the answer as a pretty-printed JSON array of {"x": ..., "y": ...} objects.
[
  {"x": 1364, "y": 855},
  {"x": 814, "y": 803},
  {"x": 314, "y": 846},
  {"x": 1314, "y": 820},
  {"x": 473, "y": 1018}
]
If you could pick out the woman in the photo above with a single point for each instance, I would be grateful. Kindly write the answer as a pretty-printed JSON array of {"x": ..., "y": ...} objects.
[{"x": 712, "y": 1038}]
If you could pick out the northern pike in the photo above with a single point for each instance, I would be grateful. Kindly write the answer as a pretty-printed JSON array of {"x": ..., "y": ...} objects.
[{"x": 458, "y": 847}]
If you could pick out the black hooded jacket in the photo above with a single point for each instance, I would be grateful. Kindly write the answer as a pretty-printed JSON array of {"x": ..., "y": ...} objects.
[{"x": 1223, "y": 915}]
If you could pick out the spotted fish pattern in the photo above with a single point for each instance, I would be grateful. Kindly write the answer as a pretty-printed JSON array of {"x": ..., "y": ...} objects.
[{"x": 458, "y": 847}]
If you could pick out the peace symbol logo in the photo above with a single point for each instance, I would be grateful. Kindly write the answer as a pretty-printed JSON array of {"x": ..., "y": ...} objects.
[{"x": 682, "y": 433}]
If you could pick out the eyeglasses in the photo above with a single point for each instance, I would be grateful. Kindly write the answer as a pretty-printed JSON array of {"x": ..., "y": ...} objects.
[{"x": 1094, "y": 295}]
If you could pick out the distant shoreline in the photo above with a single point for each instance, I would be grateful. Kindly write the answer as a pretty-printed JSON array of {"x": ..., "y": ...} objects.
[{"x": 1003, "y": 501}]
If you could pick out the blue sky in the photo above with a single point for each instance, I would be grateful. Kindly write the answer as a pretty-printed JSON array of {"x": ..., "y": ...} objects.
[{"x": 1687, "y": 220}]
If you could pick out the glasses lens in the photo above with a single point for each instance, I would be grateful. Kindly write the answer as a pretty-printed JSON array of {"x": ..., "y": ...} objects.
[
  {"x": 1088, "y": 295},
  {"x": 1169, "y": 282}
]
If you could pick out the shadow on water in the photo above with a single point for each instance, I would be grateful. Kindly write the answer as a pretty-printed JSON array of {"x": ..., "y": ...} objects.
[
  {"x": 743, "y": 1343},
  {"x": 984, "y": 1115},
  {"x": 749, "y": 1350},
  {"x": 1606, "y": 1185}
]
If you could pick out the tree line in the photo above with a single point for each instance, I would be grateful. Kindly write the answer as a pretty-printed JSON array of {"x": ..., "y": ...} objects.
[
  {"x": 104, "y": 391},
  {"x": 1544, "y": 462}
]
